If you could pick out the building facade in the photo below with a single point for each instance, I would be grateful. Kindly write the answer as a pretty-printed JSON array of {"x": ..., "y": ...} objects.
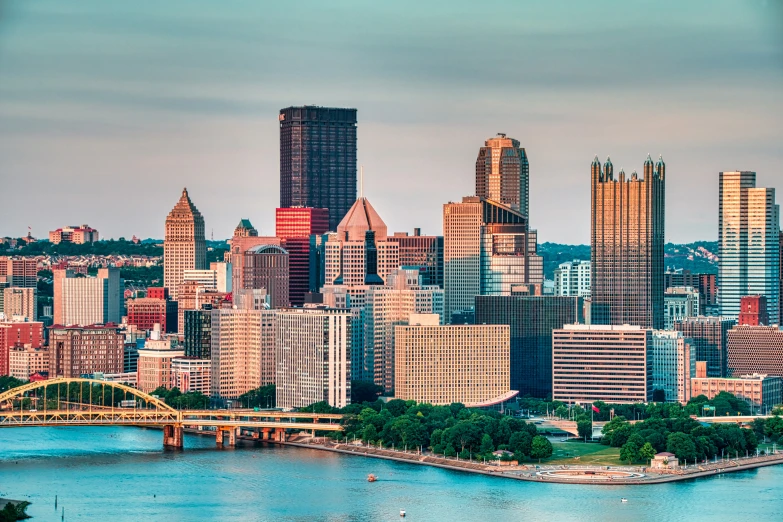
[
  {"x": 532, "y": 320},
  {"x": 488, "y": 248},
  {"x": 572, "y": 278},
  {"x": 18, "y": 333},
  {"x": 673, "y": 365},
  {"x": 81, "y": 300},
  {"x": 440, "y": 364},
  {"x": 503, "y": 173},
  {"x": 81, "y": 350},
  {"x": 197, "y": 332},
  {"x": 267, "y": 267},
  {"x": 755, "y": 349},
  {"x": 760, "y": 391},
  {"x": 706, "y": 284},
  {"x": 24, "y": 361},
  {"x": 193, "y": 296},
  {"x": 679, "y": 303},
  {"x": 217, "y": 277},
  {"x": 753, "y": 311},
  {"x": 423, "y": 253},
  {"x": 294, "y": 226},
  {"x": 361, "y": 231},
  {"x": 19, "y": 271},
  {"x": 191, "y": 374},
  {"x": 318, "y": 159},
  {"x": 313, "y": 357},
  {"x": 748, "y": 242},
  {"x": 627, "y": 237},
  {"x": 601, "y": 363},
  {"x": 155, "y": 366},
  {"x": 145, "y": 312},
  {"x": 385, "y": 307},
  {"x": 78, "y": 235},
  {"x": 21, "y": 303},
  {"x": 185, "y": 246}
]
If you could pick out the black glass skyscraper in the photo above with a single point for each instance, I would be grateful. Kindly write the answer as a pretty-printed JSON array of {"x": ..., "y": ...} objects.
[{"x": 318, "y": 159}]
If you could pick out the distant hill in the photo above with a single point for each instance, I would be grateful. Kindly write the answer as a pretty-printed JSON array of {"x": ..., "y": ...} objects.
[{"x": 701, "y": 256}]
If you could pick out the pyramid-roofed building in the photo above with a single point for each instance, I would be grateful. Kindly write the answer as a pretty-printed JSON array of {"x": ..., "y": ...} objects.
[{"x": 360, "y": 218}]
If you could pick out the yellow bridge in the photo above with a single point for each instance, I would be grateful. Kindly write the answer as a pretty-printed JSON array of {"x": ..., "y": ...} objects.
[{"x": 86, "y": 403}]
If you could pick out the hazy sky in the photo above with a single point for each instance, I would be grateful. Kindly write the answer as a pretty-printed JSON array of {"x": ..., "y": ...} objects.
[{"x": 109, "y": 108}]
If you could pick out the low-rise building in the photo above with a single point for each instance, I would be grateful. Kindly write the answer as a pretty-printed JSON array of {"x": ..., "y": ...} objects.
[
  {"x": 155, "y": 365},
  {"x": 24, "y": 361},
  {"x": 758, "y": 390},
  {"x": 76, "y": 234},
  {"x": 191, "y": 374}
]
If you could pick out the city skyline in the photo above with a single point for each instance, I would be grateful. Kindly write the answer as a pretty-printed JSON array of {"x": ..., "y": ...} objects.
[{"x": 92, "y": 110}]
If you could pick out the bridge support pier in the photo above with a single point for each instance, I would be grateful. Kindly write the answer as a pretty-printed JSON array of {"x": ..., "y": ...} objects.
[
  {"x": 220, "y": 436},
  {"x": 265, "y": 433},
  {"x": 279, "y": 435},
  {"x": 172, "y": 436}
]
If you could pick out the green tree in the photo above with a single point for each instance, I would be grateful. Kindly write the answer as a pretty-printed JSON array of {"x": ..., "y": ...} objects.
[
  {"x": 584, "y": 426},
  {"x": 630, "y": 451},
  {"x": 540, "y": 448},
  {"x": 363, "y": 391},
  {"x": 520, "y": 442},
  {"x": 486, "y": 447},
  {"x": 263, "y": 397},
  {"x": 646, "y": 452},
  {"x": 773, "y": 428},
  {"x": 682, "y": 445},
  {"x": 370, "y": 434},
  {"x": 450, "y": 451}
]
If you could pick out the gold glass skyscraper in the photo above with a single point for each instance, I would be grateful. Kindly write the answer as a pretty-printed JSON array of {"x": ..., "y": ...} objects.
[
  {"x": 627, "y": 237},
  {"x": 185, "y": 247}
]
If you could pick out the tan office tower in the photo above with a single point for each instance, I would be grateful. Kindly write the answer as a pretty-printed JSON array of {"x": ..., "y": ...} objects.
[
  {"x": 313, "y": 357},
  {"x": 488, "y": 248},
  {"x": 502, "y": 173},
  {"x": 627, "y": 230},
  {"x": 185, "y": 247},
  {"x": 445, "y": 364}
]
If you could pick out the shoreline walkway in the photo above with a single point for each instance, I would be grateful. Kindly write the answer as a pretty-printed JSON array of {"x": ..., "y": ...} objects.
[{"x": 543, "y": 473}]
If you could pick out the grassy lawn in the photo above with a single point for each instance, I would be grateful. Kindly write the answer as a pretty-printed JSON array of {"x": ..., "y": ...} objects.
[{"x": 589, "y": 454}]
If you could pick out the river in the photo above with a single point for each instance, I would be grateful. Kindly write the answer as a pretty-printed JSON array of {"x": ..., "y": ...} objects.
[{"x": 122, "y": 474}]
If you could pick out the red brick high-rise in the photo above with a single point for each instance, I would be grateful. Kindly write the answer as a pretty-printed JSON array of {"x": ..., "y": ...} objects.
[
  {"x": 13, "y": 333},
  {"x": 294, "y": 226},
  {"x": 19, "y": 271},
  {"x": 753, "y": 311}
]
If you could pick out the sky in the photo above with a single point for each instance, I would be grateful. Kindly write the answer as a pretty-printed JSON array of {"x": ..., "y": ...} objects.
[{"x": 109, "y": 109}]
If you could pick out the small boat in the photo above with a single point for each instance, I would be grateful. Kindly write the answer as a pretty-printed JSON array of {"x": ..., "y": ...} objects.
[
  {"x": 623, "y": 500},
  {"x": 402, "y": 512},
  {"x": 371, "y": 478}
]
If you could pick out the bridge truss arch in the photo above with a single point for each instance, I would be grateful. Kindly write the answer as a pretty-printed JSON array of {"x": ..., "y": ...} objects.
[{"x": 20, "y": 391}]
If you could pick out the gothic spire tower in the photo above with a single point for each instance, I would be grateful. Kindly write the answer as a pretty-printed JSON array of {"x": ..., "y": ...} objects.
[
  {"x": 185, "y": 247},
  {"x": 627, "y": 238}
]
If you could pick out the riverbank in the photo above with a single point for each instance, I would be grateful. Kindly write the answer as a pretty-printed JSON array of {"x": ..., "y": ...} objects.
[{"x": 563, "y": 474}]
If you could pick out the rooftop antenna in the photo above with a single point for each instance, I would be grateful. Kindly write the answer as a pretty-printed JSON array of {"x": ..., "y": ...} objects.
[{"x": 361, "y": 181}]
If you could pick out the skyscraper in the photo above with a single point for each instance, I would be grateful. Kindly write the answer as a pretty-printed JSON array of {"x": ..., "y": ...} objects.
[
  {"x": 502, "y": 173},
  {"x": 423, "y": 253},
  {"x": 627, "y": 237},
  {"x": 294, "y": 226},
  {"x": 318, "y": 159},
  {"x": 185, "y": 247},
  {"x": 266, "y": 266},
  {"x": 709, "y": 340},
  {"x": 487, "y": 249},
  {"x": 748, "y": 243}
]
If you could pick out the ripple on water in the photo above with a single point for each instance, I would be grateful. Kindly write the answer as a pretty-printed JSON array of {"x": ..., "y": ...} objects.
[{"x": 113, "y": 473}]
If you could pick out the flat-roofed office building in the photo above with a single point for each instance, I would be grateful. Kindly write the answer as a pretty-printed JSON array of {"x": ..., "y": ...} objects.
[
  {"x": 453, "y": 363},
  {"x": 601, "y": 363}
]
